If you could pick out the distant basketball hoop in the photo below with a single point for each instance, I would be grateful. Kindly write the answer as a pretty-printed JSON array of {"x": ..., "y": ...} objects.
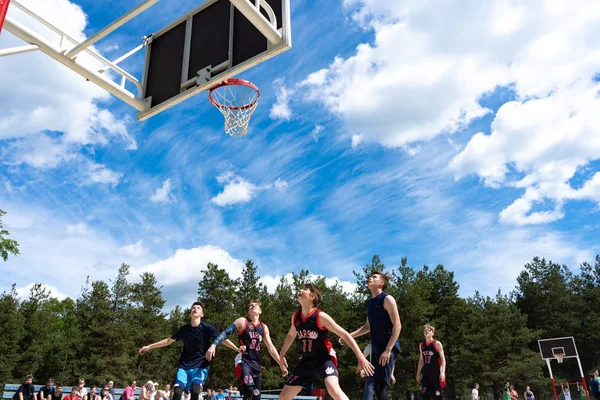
[
  {"x": 559, "y": 357},
  {"x": 236, "y": 99}
]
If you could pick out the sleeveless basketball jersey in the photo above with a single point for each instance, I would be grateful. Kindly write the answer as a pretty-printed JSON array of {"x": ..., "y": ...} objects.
[
  {"x": 251, "y": 337},
  {"x": 380, "y": 323},
  {"x": 529, "y": 394},
  {"x": 431, "y": 359},
  {"x": 311, "y": 337}
]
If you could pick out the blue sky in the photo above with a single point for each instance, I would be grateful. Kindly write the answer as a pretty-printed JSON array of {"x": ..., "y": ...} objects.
[{"x": 462, "y": 137}]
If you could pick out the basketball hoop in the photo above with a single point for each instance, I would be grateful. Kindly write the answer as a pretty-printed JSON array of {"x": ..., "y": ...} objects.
[
  {"x": 559, "y": 357},
  {"x": 236, "y": 99}
]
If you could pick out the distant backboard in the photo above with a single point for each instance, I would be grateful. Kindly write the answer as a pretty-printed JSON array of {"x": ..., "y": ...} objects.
[
  {"x": 550, "y": 347},
  {"x": 211, "y": 43}
]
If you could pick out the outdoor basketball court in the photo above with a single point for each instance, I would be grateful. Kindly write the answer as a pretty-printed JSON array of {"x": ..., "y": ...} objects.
[{"x": 203, "y": 50}]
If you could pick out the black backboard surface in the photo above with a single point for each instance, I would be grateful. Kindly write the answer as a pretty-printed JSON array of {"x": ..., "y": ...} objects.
[
  {"x": 218, "y": 35},
  {"x": 550, "y": 347}
]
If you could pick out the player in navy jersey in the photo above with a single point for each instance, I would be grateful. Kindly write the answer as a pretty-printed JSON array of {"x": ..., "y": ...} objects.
[
  {"x": 433, "y": 364},
  {"x": 192, "y": 370},
  {"x": 383, "y": 323},
  {"x": 251, "y": 332},
  {"x": 310, "y": 328}
]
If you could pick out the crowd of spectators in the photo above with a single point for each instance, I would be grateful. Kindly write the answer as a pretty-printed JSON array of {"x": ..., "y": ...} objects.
[{"x": 149, "y": 391}]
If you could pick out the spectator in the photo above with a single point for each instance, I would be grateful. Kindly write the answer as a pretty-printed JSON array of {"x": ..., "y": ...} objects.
[
  {"x": 81, "y": 390},
  {"x": 46, "y": 391},
  {"x": 146, "y": 391},
  {"x": 26, "y": 391},
  {"x": 74, "y": 394},
  {"x": 111, "y": 390},
  {"x": 475, "y": 392},
  {"x": 186, "y": 395},
  {"x": 506, "y": 391},
  {"x": 566, "y": 391},
  {"x": 159, "y": 395},
  {"x": 58, "y": 392},
  {"x": 106, "y": 395},
  {"x": 513, "y": 393},
  {"x": 528, "y": 394},
  {"x": 167, "y": 392},
  {"x": 128, "y": 393},
  {"x": 93, "y": 394},
  {"x": 220, "y": 395},
  {"x": 594, "y": 385}
]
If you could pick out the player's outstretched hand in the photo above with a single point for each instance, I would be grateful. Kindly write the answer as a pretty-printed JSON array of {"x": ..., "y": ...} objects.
[
  {"x": 365, "y": 365},
  {"x": 342, "y": 341},
  {"x": 144, "y": 349},
  {"x": 210, "y": 353},
  {"x": 283, "y": 365}
]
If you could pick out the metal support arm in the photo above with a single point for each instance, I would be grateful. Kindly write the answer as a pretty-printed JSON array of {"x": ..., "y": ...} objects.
[
  {"x": 33, "y": 38},
  {"x": 110, "y": 28},
  {"x": 258, "y": 20}
]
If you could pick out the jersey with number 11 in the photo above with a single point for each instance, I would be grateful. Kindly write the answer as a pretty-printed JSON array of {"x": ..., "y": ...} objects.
[{"x": 311, "y": 337}]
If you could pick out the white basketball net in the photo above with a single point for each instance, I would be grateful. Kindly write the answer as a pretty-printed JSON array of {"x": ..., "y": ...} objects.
[
  {"x": 559, "y": 357},
  {"x": 237, "y": 104}
]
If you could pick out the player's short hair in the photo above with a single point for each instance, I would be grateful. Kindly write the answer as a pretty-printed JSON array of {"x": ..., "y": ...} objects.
[
  {"x": 432, "y": 329},
  {"x": 255, "y": 301},
  {"x": 385, "y": 277},
  {"x": 197, "y": 303},
  {"x": 29, "y": 376},
  {"x": 315, "y": 291}
]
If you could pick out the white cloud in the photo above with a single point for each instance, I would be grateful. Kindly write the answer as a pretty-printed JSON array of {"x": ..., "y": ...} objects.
[
  {"x": 44, "y": 96},
  {"x": 316, "y": 132},
  {"x": 547, "y": 52},
  {"x": 281, "y": 109},
  {"x": 240, "y": 190},
  {"x": 271, "y": 282},
  {"x": 538, "y": 145},
  {"x": 23, "y": 292},
  {"x": 79, "y": 229},
  {"x": 98, "y": 173},
  {"x": 134, "y": 250},
  {"x": 356, "y": 140},
  {"x": 163, "y": 194},
  {"x": 184, "y": 266}
]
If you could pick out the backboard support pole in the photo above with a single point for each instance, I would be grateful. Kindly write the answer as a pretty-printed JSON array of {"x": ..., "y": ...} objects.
[
  {"x": 18, "y": 50},
  {"x": 110, "y": 28},
  {"x": 33, "y": 38},
  {"x": 266, "y": 27}
]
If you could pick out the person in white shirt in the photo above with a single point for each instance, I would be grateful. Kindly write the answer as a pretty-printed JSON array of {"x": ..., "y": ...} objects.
[
  {"x": 475, "y": 392},
  {"x": 566, "y": 391}
]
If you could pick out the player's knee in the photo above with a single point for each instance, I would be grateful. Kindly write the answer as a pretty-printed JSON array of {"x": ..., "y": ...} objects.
[
  {"x": 196, "y": 388},
  {"x": 177, "y": 393},
  {"x": 248, "y": 392}
]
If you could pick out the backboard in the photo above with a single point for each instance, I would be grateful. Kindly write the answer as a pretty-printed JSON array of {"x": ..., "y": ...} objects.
[
  {"x": 211, "y": 43},
  {"x": 550, "y": 347}
]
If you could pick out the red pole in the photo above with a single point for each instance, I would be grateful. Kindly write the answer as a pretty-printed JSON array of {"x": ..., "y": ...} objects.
[
  {"x": 3, "y": 10},
  {"x": 587, "y": 394},
  {"x": 554, "y": 390}
]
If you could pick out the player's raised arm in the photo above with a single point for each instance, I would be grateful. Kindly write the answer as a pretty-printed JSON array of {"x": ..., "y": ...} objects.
[
  {"x": 270, "y": 346},
  {"x": 328, "y": 323}
]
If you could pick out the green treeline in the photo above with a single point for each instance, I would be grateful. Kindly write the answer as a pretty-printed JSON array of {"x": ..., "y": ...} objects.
[{"x": 486, "y": 339}]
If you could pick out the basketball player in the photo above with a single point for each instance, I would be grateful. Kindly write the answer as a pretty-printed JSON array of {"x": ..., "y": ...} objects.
[
  {"x": 383, "y": 322},
  {"x": 251, "y": 333},
  {"x": 310, "y": 328},
  {"x": 192, "y": 370},
  {"x": 433, "y": 364},
  {"x": 528, "y": 394},
  {"x": 566, "y": 391}
]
